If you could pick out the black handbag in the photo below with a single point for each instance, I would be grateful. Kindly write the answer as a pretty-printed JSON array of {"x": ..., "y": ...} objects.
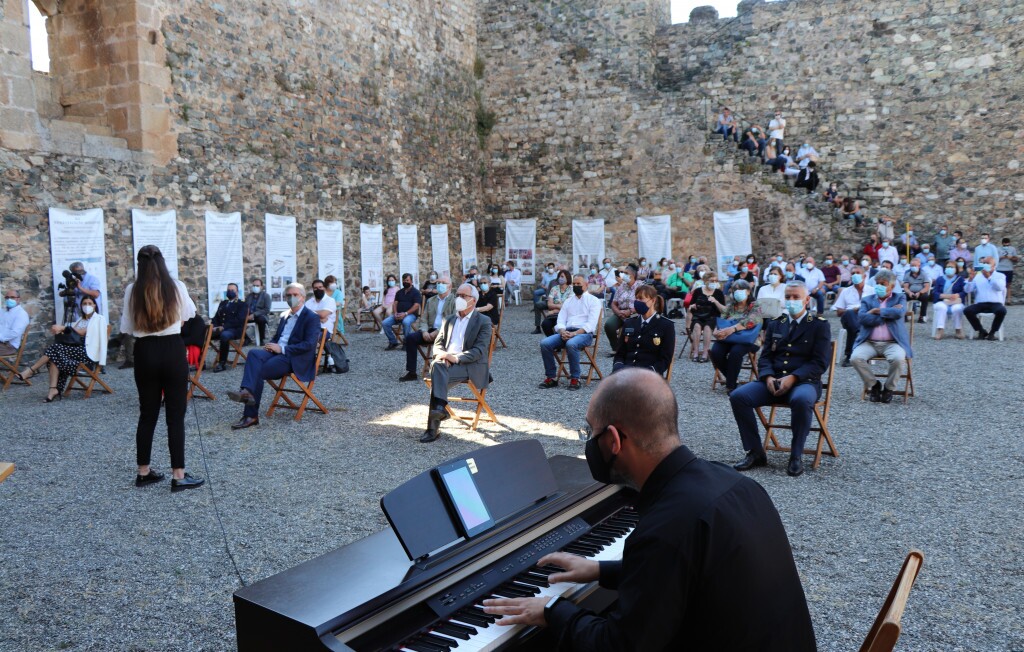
[{"x": 69, "y": 337}]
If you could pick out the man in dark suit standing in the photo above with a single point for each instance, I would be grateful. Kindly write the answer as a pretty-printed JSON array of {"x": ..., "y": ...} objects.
[
  {"x": 459, "y": 353},
  {"x": 291, "y": 350},
  {"x": 794, "y": 356}
]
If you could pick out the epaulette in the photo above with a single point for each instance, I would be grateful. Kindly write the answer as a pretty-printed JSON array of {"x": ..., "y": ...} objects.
[
  {"x": 781, "y": 317},
  {"x": 822, "y": 318}
]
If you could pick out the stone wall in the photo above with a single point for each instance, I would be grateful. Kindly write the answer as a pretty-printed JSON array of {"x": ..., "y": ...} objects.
[{"x": 362, "y": 112}]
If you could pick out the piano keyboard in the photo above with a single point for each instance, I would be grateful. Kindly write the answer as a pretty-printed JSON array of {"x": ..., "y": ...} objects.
[{"x": 469, "y": 628}]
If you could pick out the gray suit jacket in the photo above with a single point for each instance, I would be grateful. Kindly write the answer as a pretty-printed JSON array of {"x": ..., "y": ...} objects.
[
  {"x": 475, "y": 347},
  {"x": 427, "y": 324}
]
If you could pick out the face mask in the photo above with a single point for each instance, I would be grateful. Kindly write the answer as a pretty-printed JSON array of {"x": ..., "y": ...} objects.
[
  {"x": 700, "y": 274},
  {"x": 461, "y": 304},
  {"x": 963, "y": 245},
  {"x": 903, "y": 261},
  {"x": 713, "y": 286},
  {"x": 881, "y": 291},
  {"x": 607, "y": 265},
  {"x": 671, "y": 268},
  {"x": 643, "y": 263},
  {"x": 600, "y": 470},
  {"x": 984, "y": 241},
  {"x": 257, "y": 289},
  {"x": 925, "y": 249},
  {"x": 693, "y": 260},
  {"x": 809, "y": 265},
  {"x": 959, "y": 264},
  {"x": 561, "y": 280},
  {"x": 593, "y": 270},
  {"x": 318, "y": 294},
  {"x": 485, "y": 287},
  {"x": 865, "y": 263},
  {"x": 494, "y": 271},
  {"x": 950, "y": 271},
  {"x": 774, "y": 278},
  {"x": 640, "y": 307},
  {"x": 333, "y": 287},
  {"x": 828, "y": 261},
  {"x": 910, "y": 233},
  {"x": 433, "y": 277},
  {"x": 391, "y": 284},
  {"x": 789, "y": 275},
  {"x": 740, "y": 295},
  {"x": 294, "y": 301},
  {"x": 856, "y": 278},
  {"x": 915, "y": 270},
  {"x": 794, "y": 308},
  {"x": 406, "y": 284},
  {"x": 88, "y": 310},
  {"x": 750, "y": 260},
  {"x": 442, "y": 288},
  {"x": 942, "y": 232},
  {"x": 931, "y": 263},
  {"x": 885, "y": 245},
  {"x": 985, "y": 267},
  {"x": 846, "y": 263},
  {"x": 577, "y": 290},
  {"x": 231, "y": 295},
  {"x": 744, "y": 268},
  {"x": 778, "y": 258},
  {"x": 551, "y": 269},
  {"x": 10, "y": 303}
]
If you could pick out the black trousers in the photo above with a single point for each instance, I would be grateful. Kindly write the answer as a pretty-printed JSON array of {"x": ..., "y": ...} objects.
[
  {"x": 728, "y": 358},
  {"x": 988, "y": 307},
  {"x": 412, "y": 343},
  {"x": 161, "y": 371}
]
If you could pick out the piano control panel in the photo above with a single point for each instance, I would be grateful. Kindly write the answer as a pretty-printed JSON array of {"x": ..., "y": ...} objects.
[{"x": 462, "y": 593}]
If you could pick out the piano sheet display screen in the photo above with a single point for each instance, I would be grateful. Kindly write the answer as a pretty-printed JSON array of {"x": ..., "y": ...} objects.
[{"x": 465, "y": 497}]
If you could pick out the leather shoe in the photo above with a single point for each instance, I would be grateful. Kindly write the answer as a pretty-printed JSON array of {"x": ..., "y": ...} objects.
[
  {"x": 392, "y": 347},
  {"x": 440, "y": 415},
  {"x": 750, "y": 461},
  {"x": 410, "y": 375},
  {"x": 242, "y": 396},
  {"x": 188, "y": 482},
  {"x": 429, "y": 435},
  {"x": 795, "y": 468},
  {"x": 246, "y": 422},
  {"x": 982, "y": 334},
  {"x": 992, "y": 337},
  {"x": 875, "y": 393},
  {"x": 148, "y": 479},
  {"x": 847, "y": 363},
  {"x": 219, "y": 367},
  {"x": 886, "y": 396}
]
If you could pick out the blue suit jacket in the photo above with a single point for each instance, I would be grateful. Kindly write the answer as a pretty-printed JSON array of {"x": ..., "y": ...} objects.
[
  {"x": 958, "y": 286},
  {"x": 892, "y": 315},
  {"x": 302, "y": 343}
]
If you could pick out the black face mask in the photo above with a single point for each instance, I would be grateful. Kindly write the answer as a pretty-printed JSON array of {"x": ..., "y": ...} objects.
[
  {"x": 406, "y": 284},
  {"x": 599, "y": 469},
  {"x": 319, "y": 294},
  {"x": 577, "y": 290}
]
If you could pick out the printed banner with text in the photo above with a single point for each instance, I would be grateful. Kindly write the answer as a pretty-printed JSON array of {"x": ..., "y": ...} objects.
[
  {"x": 408, "y": 253},
  {"x": 160, "y": 229},
  {"x": 77, "y": 237},
  {"x": 330, "y": 251},
  {"x": 223, "y": 256},
  {"x": 467, "y": 232},
  {"x": 371, "y": 257},
  {"x": 439, "y": 249},
  {"x": 281, "y": 267},
  {"x": 521, "y": 246},
  {"x": 654, "y": 235},
  {"x": 732, "y": 237},
  {"x": 587, "y": 244}
]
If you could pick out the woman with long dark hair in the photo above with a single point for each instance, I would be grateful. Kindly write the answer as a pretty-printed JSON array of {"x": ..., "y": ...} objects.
[{"x": 154, "y": 308}]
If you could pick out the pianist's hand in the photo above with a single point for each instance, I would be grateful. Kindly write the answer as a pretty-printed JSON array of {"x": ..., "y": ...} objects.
[
  {"x": 577, "y": 569},
  {"x": 518, "y": 611}
]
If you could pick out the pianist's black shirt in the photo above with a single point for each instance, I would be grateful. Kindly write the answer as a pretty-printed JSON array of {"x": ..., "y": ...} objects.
[{"x": 708, "y": 567}]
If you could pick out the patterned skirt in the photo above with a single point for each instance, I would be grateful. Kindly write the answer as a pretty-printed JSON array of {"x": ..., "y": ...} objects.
[{"x": 66, "y": 357}]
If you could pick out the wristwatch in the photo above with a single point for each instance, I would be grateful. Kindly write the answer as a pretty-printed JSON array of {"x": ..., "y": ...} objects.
[{"x": 549, "y": 606}]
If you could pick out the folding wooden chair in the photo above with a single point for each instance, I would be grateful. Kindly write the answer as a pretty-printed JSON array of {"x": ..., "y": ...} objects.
[
  {"x": 501, "y": 320},
  {"x": 749, "y": 364},
  {"x": 280, "y": 397},
  {"x": 88, "y": 371},
  {"x": 236, "y": 345},
  {"x": 821, "y": 412},
  {"x": 397, "y": 330},
  {"x": 588, "y": 359},
  {"x": 193, "y": 379},
  {"x": 479, "y": 396},
  {"x": 907, "y": 376},
  {"x": 425, "y": 350},
  {"x": 668, "y": 372},
  {"x": 338, "y": 333},
  {"x": 364, "y": 317},
  {"x": 6, "y": 469},
  {"x": 8, "y": 377},
  {"x": 883, "y": 634}
]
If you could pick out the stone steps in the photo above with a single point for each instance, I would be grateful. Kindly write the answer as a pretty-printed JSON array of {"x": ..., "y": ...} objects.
[{"x": 81, "y": 139}]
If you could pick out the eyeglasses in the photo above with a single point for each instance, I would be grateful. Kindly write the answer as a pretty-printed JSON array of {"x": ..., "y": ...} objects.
[
  {"x": 586, "y": 433},
  {"x": 293, "y": 294},
  {"x": 467, "y": 297}
]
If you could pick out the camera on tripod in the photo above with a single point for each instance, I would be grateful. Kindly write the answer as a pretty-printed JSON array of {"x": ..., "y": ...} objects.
[{"x": 71, "y": 282}]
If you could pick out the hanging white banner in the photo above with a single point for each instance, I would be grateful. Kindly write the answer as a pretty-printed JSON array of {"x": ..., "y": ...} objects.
[
  {"x": 281, "y": 268},
  {"x": 654, "y": 236},
  {"x": 521, "y": 246},
  {"x": 587, "y": 244},
  {"x": 409, "y": 252},
  {"x": 439, "y": 249},
  {"x": 160, "y": 229},
  {"x": 732, "y": 237},
  {"x": 77, "y": 237},
  {"x": 371, "y": 257},
  {"x": 467, "y": 232},
  {"x": 330, "y": 251},
  {"x": 223, "y": 256}
]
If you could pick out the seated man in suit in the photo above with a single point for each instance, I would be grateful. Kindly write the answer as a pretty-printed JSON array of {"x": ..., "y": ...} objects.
[
  {"x": 989, "y": 288},
  {"x": 459, "y": 353},
  {"x": 794, "y": 356},
  {"x": 441, "y": 306},
  {"x": 648, "y": 337},
  {"x": 291, "y": 350},
  {"x": 228, "y": 324},
  {"x": 882, "y": 332},
  {"x": 258, "y": 303}
]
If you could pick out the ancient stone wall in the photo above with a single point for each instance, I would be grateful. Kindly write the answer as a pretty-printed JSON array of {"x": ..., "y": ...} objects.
[{"x": 363, "y": 112}]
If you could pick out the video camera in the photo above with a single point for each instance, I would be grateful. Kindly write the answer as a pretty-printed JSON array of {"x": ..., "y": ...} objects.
[{"x": 67, "y": 289}]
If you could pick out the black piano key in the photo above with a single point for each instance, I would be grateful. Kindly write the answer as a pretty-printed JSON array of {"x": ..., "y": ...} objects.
[
  {"x": 455, "y": 630},
  {"x": 471, "y": 618},
  {"x": 421, "y": 646},
  {"x": 596, "y": 539},
  {"x": 583, "y": 549},
  {"x": 532, "y": 580},
  {"x": 439, "y": 641},
  {"x": 478, "y": 610},
  {"x": 511, "y": 592}
]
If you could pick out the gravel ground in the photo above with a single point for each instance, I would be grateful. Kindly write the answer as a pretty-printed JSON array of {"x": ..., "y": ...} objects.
[{"x": 89, "y": 562}]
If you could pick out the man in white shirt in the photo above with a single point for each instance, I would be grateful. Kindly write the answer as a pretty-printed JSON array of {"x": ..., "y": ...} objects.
[
  {"x": 577, "y": 323},
  {"x": 847, "y": 306},
  {"x": 805, "y": 155},
  {"x": 989, "y": 288},
  {"x": 326, "y": 309},
  {"x": 814, "y": 278},
  {"x": 513, "y": 277},
  {"x": 888, "y": 252},
  {"x": 777, "y": 130},
  {"x": 13, "y": 322}
]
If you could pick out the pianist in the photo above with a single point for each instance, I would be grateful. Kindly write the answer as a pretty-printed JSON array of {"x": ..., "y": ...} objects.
[{"x": 708, "y": 567}]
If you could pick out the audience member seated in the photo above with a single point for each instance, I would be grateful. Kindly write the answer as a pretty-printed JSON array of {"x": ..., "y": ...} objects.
[
  {"x": 575, "y": 328},
  {"x": 732, "y": 343},
  {"x": 622, "y": 305},
  {"x": 595, "y": 282},
  {"x": 488, "y": 304},
  {"x": 691, "y": 265},
  {"x": 609, "y": 274},
  {"x": 459, "y": 353},
  {"x": 882, "y": 333},
  {"x": 989, "y": 289},
  {"x": 832, "y": 195},
  {"x": 85, "y": 340},
  {"x": 806, "y": 155},
  {"x": 472, "y": 276},
  {"x": 561, "y": 291},
  {"x": 648, "y": 338},
  {"x": 408, "y": 302},
  {"x": 13, "y": 322},
  {"x": 335, "y": 292},
  {"x": 749, "y": 142},
  {"x": 327, "y": 310},
  {"x": 706, "y": 307},
  {"x": 387, "y": 304},
  {"x": 655, "y": 281},
  {"x": 439, "y": 307},
  {"x": 917, "y": 285},
  {"x": 257, "y": 302},
  {"x": 643, "y": 270},
  {"x": 793, "y": 358},
  {"x": 228, "y": 324},
  {"x": 847, "y": 306},
  {"x": 783, "y": 163},
  {"x": 548, "y": 280},
  {"x": 292, "y": 350},
  {"x": 429, "y": 287},
  {"x": 678, "y": 282},
  {"x": 949, "y": 296},
  {"x": 807, "y": 178},
  {"x": 833, "y": 274},
  {"x": 497, "y": 278},
  {"x": 727, "y": 126},
  {"x": 193, "y": 333},
  {"x": 905, "y": 238},
  {"x": 366, "y": 304},
  {"x": 772, "y": 295},
  {"x": 851, "y": 211},
  {"x": 888, "y": 252},
  {"x": 814, "y": 279}
]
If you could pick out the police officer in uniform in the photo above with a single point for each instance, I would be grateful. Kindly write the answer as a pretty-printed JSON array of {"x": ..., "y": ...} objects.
[
  {"x": 794, "y": 356},
  {"x": 648, "y": 338}
]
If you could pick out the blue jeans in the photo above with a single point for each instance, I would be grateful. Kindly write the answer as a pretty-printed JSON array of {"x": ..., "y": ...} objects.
[
  {"x": 407, "y": 323},
  {"x": 549, "y": 345},
  {"x": 819, "y": 296},
  {"x": 726, "y": 132},
  {"x": 801, "y": 400},
  {"x": 261, "y": 365}
]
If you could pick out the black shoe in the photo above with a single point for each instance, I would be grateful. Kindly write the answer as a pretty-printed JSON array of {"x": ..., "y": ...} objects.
[
  {"x": 548, "y": 383},
  {"x": 574, "y": 384},
  {"x": 246, "y": 422},
  {"x": 429, "y": 436},
  {"x": 536, "y": 331},
  {"x": 982, "y": 334},
  {"x": 440, "y": 415},
  {"x": 847, "y": 363},
  {"x": 750, "y": 461},
  {"x": 127, "y": 365},
  {"x": 219, "y": 367},
  {"x": 886, "y": 396},
  {"x": 247, "y": 342},
  {"x": 188, "y": 482},
  {"x": 242, "y": 396},
  {"x": 875, "y": 393},
  {"x": 410, "y": 375},
  {"x": 392, "y": 347},
  {"x": 920, "y": 320},
  {"x": 992, "y": 337},
  {"x": 148, "y": 479},
  {"x": 795, "y": 468}
]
